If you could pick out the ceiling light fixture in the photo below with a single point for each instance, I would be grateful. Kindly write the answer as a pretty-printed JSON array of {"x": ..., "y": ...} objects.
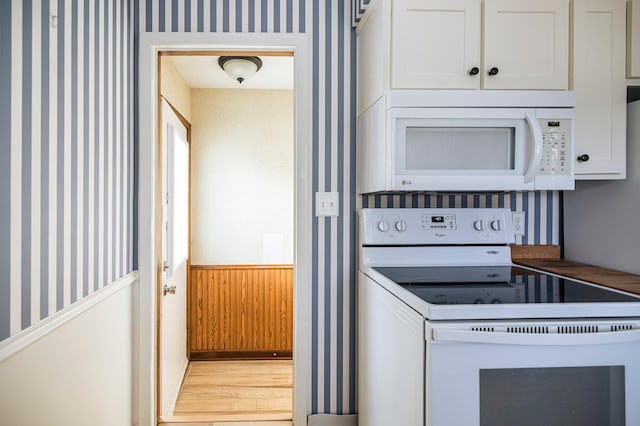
[{"x": 240, "y": 68}]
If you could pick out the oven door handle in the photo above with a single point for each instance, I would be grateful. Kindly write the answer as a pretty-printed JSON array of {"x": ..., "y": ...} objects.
[{"x": 547, "y": 339}]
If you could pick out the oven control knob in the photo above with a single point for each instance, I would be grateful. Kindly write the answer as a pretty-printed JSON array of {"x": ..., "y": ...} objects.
[
  {"x": 496, "y": 225},
  {"x": 401, "y": 226},
  {"x": 478, "y": 225},
  {"x": 383, "y": 226}
]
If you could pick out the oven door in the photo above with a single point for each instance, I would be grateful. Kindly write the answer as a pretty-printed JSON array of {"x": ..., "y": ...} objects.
[{"x": 561, "y": 373}]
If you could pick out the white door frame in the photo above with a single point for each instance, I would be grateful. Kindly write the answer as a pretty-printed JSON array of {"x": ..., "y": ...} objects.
[{"x": 146, "y": 339}]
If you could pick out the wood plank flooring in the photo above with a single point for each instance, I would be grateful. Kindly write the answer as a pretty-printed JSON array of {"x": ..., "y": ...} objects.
[{"x": 216, "y": 392}]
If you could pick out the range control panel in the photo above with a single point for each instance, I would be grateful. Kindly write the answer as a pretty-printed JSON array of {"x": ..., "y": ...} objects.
[
  {"x": 436, "y": 226},
  {"x": 439, "y": 221}
]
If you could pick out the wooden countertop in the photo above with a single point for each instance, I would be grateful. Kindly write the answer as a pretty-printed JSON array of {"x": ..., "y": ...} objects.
[{"x": 593, "y": 274}]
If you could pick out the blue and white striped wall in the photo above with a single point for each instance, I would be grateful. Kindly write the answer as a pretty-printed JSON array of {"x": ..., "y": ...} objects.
[
  {"x": 66, "y": 158},
  {"x": 66, "y": 163},
  {"x": 358, "y": 9},
  {"x": 329, "y": 22},
  {"x": 333, "y": 309}
]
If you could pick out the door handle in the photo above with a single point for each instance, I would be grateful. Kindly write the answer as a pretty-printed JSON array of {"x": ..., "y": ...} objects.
[
  {"x": 168, "y": 289},
  {"x": 536, "y": 156}
]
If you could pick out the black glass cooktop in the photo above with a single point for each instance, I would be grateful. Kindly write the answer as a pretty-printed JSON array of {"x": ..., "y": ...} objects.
[{"x": 496, "y": 284}]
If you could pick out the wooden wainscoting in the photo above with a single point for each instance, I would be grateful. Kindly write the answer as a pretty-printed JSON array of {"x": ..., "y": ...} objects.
[{"x": 241, "y": 311}]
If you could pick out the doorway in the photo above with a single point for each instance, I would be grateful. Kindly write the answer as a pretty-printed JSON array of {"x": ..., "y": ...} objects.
[
  {"x": 150, "y": 45},
  {"x": 240, "y": 269}
]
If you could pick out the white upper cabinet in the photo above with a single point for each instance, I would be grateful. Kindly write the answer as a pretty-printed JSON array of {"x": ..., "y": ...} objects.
[
  {"x": 463, "y": 44},
  {"x": 599, "y": 82},
  {"x": 436, "y": 44},
  {"x": 526, "y": 44}
]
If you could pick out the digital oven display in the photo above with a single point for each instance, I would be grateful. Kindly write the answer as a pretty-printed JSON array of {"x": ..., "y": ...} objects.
[{"x": 437, "y": 219}]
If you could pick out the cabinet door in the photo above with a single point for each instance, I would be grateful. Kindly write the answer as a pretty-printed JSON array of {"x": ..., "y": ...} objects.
[
  {"x": 527, "y": 42},
  {"x": 435, "y": 44},
  {"x": 600, "y": 86}
]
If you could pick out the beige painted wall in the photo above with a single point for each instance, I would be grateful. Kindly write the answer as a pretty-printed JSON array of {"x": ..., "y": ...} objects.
[
  {"x": 241, "y": 176},
  {"x": 174, "y": 88}
]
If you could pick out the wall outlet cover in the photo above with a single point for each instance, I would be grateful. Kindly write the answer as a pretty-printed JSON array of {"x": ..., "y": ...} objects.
[{"x": 518, "y": 223}]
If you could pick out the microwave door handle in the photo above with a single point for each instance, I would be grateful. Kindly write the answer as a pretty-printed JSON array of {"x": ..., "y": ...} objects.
[
  {"x": 537, "y": 147},
  {"x": 550, "y": 339}
]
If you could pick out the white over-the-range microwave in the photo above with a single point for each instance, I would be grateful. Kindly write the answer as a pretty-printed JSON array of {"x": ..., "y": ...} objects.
[{"x": 458, "y": 140}]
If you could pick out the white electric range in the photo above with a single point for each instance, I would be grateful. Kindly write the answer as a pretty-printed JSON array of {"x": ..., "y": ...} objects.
[{"x": 451, "y": 333}]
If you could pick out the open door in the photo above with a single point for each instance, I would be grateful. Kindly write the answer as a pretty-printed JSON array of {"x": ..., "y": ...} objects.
[{"x": 172, "y": 301}]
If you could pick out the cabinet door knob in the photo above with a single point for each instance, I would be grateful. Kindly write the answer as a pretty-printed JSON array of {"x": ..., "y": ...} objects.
[
  {"x": 583, "y": 158},
  {"x": 474, "y": 71},
  {"x": 494, "y": 71}
]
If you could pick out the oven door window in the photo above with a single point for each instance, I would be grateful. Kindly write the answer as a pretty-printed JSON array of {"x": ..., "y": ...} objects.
[{"x": 552, "y": 396}]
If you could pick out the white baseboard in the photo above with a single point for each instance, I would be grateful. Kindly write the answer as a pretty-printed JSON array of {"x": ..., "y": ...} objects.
[
  {"x": 28, "y": 336},
  {"x": 332, "y": 420}
]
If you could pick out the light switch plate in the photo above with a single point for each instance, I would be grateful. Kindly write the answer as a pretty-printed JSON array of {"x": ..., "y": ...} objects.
[{"x": 327, "y": 204}]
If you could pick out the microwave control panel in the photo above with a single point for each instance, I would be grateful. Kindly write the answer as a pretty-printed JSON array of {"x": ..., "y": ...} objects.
[{"x": 556, "y": 145}]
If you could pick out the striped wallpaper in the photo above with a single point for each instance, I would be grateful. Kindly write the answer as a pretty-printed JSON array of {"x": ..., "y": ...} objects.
[
  {"x": 333, "y": 309},
  {"x": 329, "y": 22},
  {"x": 66, "y": 163},
  {"x": 358, "y": 9},
  {"x": 66, "y": 158}
]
